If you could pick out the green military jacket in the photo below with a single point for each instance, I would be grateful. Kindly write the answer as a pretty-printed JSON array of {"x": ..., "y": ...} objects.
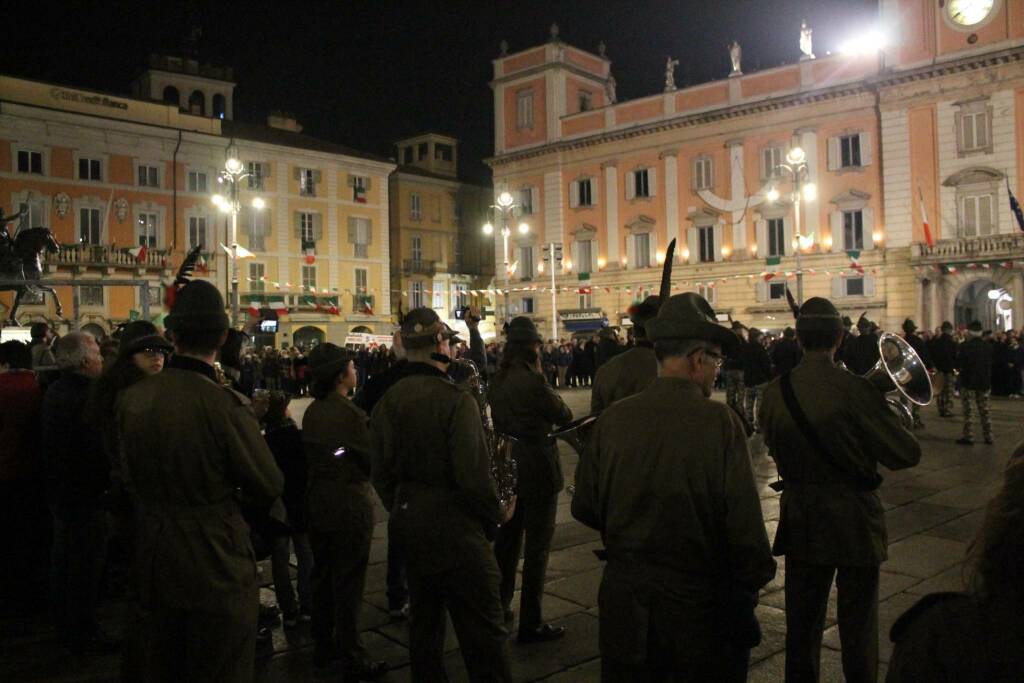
[
  {"x": 190, "y": 448},
  {"x": 822, "y": 519},
  {"x": 431, "y": 467},
  {"x": 666, "y": 478},
  {"x": 337, "y": 442},
  {"x": 524, "y": 405},
  {"x": 624, "y": 375}
]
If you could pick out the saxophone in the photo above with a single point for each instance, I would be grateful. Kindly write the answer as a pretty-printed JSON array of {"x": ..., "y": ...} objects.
[{"x": 504, "y": 470}]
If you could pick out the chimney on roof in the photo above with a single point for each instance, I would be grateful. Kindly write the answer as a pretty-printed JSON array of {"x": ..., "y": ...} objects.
[{"x": 283, "y": 120}]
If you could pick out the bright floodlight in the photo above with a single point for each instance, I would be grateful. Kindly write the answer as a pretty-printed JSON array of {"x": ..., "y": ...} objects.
[
  {"x": 233, "y": 166},
  {"x": 505, "y": 200},
  {"x": 994, "y": 294},
  {"x": 258, "y": 203},
  {"x": 524, "y": 228},
  {"x": 488, "y": 228},
  {"x": 870, "y": 42},
  {"x": 773, "y": 195},
  {"x": 810, "y": 192},
  {"x": 796, "y": 156},
  {"x": 219, "y": 201}
]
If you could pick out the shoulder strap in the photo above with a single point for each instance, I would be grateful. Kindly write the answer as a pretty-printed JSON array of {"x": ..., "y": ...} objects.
[{"x": 811, "y": 434}]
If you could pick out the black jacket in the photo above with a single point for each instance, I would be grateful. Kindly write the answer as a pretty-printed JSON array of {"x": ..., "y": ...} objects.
[
  {"x": 862, "y": 353},
  {"x": 943, "y": 352},
  {"x": 921, "y": 348},
  {"x": 786, "y": 355},
  {"x": 975, "y": 363},
  {"x": 757, "y": 367},
  {"x": 74, "y": 459},
  {"x": 285, "y": 442}
]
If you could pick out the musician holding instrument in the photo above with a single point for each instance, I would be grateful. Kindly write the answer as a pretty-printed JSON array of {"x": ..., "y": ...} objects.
[
  {"x": 827, "y": 429},
  {"x": 432, "y": 470},
  {"x": 526, "y": 407},
  {"x": 630, "y": 372},
  {"x": 666, "y": 478}
]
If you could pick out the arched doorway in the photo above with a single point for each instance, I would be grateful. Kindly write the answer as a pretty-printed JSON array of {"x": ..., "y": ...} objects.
[
  {"x": 219, "y": 106},
  {"x": 197, "y": 103},
  {"x": 361, "y": 329},
  {"x": 307, "y": 337},
  {"x": 986, "y": 302},
  {"x": 171, "y": 96}
]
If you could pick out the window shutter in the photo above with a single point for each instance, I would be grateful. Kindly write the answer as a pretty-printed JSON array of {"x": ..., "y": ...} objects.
[
  {"x": 834, "y": 156},
  {"x": 838, "y": 290},
  {"x": 352, "y": 230},
  {"x": 985, "y": 215},
  {"x": 351, "y": 180},
  {"x": 369, "y": 231},
  {"x": 695, "y": 173},
  {"x": 693, "y": 244},
  {"x": 652, "y": 245},
  {"x": 575, "y": 250},
  {"x": 868, "y": 221},
  {"x": 766, "y": 164},
  {"x": 316, "y": 177},
  {"x": 970, "y": 227},
  {"x": 718, "y": 242},
  {"x": 652, "y": 181},
  {"x": 761, "y": 237},
  {"x": 865, "y": 149},
  {"x": 630, "y": 185},
  {"x": 983, "y": 132},
  {"x": 246, "y": 218},
  {"x": 534, "y": 200},
  {"x": 869, "y": 285},
  {"x": 958, "y": 124},
  {"x": 265, "y": 168},
  {"x": 265, "y": 222},
  {"x": 710, "y": 166},
  {"x": 318, "y": 227},
  {"x": 631, "y": 250},
  {"x": 594, "y": 196},
  {"x": 297, "y": 222},
  {"x": 296, "y": 173},
  {"x": 367, "y": 183},
  {"x": 787, "y": 237},
  {"x": 835, "y": 220},
  {"x": 574, "y": 194},
  {"x": 761, "y": 291}
]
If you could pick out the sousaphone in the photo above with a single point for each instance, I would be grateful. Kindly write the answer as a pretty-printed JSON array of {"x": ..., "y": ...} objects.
[{"x": 900, "y": 370}]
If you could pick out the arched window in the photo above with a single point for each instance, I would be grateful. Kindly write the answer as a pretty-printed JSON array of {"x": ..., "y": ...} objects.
[
  {"x": 171, "y": 95},
  {"x": 219, "y": 106},
  {"x": 197, "y": 103}
]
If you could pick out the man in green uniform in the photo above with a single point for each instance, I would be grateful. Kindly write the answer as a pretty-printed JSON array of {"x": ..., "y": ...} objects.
[
  {"x": 827, "y": 430},
  {"x": 666, "y": 478},
  {"x": 630, "y": 372},
  {"x": 431, "y": 468},
  {"x": 188, "y": 445},
  {"x": 974, "y": 360}
]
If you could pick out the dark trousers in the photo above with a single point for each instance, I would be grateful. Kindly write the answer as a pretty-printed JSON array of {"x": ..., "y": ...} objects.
[
  {"x": 534, "y": 518},
  {"x": 199, "y": 647},
  {"x": 397, "y": 587},
  {"x": 807, "y": 588},
  {"x": 23, "y": 562},
  {"x": 470, "y": 594},
  {"x": 340, "y": 559},
  {"x": 76, "y": 568}
]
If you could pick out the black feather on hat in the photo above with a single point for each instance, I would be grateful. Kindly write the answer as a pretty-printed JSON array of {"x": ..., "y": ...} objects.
[{"x": 640, "y": 313}]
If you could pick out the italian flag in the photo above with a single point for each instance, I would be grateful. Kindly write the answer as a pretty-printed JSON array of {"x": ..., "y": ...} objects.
[
  {"x": 139, "y": 253},
  {"x": 279, "y": 308},
  {"x": 854, "y": 255},
  {"x": 360, "y": 194},
  {"x": 924, "y": 221}
]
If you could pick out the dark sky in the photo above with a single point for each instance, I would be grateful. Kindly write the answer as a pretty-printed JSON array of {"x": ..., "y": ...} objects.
[{"x": 368, "y": 73}]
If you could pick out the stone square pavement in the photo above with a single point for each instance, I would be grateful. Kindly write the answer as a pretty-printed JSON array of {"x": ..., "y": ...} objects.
[{"x": 933, "y": 511}]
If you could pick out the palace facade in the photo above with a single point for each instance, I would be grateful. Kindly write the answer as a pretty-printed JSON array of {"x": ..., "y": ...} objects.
[
  {"x": 928, "y": 126},
  {"x": 108, "y": 173}
]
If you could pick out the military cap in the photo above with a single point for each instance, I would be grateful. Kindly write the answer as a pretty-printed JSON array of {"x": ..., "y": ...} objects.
[
  {"x": 422, "y": 328},
  {"x": 847, "y": 323},
  {"x": 198, "y": 306},
  {"x": 863, "y": 324},
  {"x": 640, "y": 313},
  {"x": 974, "y": 326},
  {"x": 818, "y": 314},
  {"x": 947, "y": 326},
  {"x": 522, "y": 329},
  {"x": 689, "y": 316},
  {"x": 140, "y": 335},
  {"x": 909, "y": 326},
  {"x": 327, "y": 360}
]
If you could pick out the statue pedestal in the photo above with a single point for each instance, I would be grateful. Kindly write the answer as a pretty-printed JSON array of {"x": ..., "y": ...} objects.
[{"x": 735, "y": 74}]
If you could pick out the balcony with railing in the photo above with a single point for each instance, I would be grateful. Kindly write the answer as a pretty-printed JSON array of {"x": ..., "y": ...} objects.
[
  {"x": 965, "y": 249},
  {"x": 419, "y": 267},
  {"x": 110, "y": 256}
]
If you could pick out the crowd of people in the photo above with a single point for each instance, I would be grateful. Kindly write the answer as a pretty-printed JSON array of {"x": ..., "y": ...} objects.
[{"x": 158, "y": 466}]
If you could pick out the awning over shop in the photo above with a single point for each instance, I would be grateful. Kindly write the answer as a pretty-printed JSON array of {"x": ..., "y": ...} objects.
[{"x": 583, "y": 319}]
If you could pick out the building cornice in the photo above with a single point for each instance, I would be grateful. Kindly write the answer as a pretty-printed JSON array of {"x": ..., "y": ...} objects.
[{"x": 946, "y": 68}]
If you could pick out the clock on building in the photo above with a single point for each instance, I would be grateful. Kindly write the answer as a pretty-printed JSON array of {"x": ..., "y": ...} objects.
[{"x": 969, "y": 13}]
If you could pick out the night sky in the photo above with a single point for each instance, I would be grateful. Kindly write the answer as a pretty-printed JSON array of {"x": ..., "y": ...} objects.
[{"x": 368, "y": 73}]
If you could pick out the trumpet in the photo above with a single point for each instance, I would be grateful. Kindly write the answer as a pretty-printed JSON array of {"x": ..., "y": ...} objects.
[{"x": 901, "y": 371}]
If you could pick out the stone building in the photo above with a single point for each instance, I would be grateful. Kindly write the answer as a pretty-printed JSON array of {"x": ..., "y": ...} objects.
[{"x": 931, "y": 119}]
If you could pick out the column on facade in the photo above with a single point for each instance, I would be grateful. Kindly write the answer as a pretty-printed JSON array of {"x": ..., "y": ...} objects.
[
  {"x": 611, "y": 212},
  {"x": 923, "y": 295},
  {"x": 935, "y": 304},
  {"x": 284, "y": 222},
  {"x": 811, "y": 215},
  {"x": 738, "y": 191},
  {"x": 671, "y": 193},
  {"x": 1016, "y": 290}
]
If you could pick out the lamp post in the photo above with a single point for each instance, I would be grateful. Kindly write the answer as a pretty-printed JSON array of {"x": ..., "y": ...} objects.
[
  {"x": 231, "y": 176},
  {"x": 796, "y": 163},
  {"x": 505, "y": 207}
]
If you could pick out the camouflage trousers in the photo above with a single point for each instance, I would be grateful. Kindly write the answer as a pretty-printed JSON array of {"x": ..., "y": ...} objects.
[
  {"x": 944, "y": 382},
  {"x": 752, "y": 403},
  {"x": 980, "y": 398},
  {"x": 734, "y": 389}
]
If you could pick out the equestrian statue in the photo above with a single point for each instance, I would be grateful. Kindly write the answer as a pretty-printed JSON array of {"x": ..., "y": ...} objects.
[{"x": 21, "y": 260}]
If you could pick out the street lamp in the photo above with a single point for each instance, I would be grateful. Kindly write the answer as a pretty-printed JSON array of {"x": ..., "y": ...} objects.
[
  {"x": 796, "y": 163},
  {"x": 505, "y": 207},
  {"x": 229, "y": 202}
]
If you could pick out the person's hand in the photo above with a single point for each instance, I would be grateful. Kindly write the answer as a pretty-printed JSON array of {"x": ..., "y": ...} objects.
[
  {"x": 508, "y": 509},
  {"x": 473, "y": 317}
]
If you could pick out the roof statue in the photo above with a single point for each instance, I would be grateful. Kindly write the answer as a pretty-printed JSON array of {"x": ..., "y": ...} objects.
[
  {"x": 805, "y": 42},
  {"x": 503, "y": 46},
  {"x": 602, "y": 49},
  {"x": 670, "y": 73},
  {"x": 609, "y": 89},
  {"x": 735, "y": 55},
  {"x": 554, "y": 33}
]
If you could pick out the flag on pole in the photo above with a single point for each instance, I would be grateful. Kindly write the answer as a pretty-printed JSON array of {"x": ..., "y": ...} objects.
[
  {"x": 924, "y": 219},
  {"x": 1015, "y": 206},
  {"x": 139, "y": 253}
]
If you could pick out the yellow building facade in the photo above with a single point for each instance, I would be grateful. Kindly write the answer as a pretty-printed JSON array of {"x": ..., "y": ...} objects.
[
  {"x": 439, "y": 258},
  {"x": 932, "y": 121},
  {"x": 107, "y": 173}
]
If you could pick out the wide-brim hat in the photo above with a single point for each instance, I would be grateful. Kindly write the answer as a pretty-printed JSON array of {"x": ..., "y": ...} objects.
[
  {"x": 522, "y": 329},
  {"x": 818, "y": 314},
  {"x": 198, "y": 307},
  {"x": 863, "y": 324},
  {"x": 422, "y": 327},
  {"x": 140, "y": 335},
  {"x": 642, "y": 312},
  {"x": 689, "y": 316},
  {"x": 909, "y": 326},
  {"x": 327, "y": 360}
]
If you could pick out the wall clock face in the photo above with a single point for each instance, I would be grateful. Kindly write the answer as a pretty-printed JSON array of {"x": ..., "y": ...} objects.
[{"x": 969, "y": 12}]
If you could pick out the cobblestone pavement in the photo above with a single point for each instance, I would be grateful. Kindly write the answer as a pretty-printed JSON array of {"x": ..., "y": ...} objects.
[{"x": 933, "y": 509}]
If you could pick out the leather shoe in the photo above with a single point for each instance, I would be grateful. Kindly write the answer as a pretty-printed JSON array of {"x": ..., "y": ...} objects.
[
  {"x": 367, "y": 671},
  {"x": 541, "y": 634}
]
